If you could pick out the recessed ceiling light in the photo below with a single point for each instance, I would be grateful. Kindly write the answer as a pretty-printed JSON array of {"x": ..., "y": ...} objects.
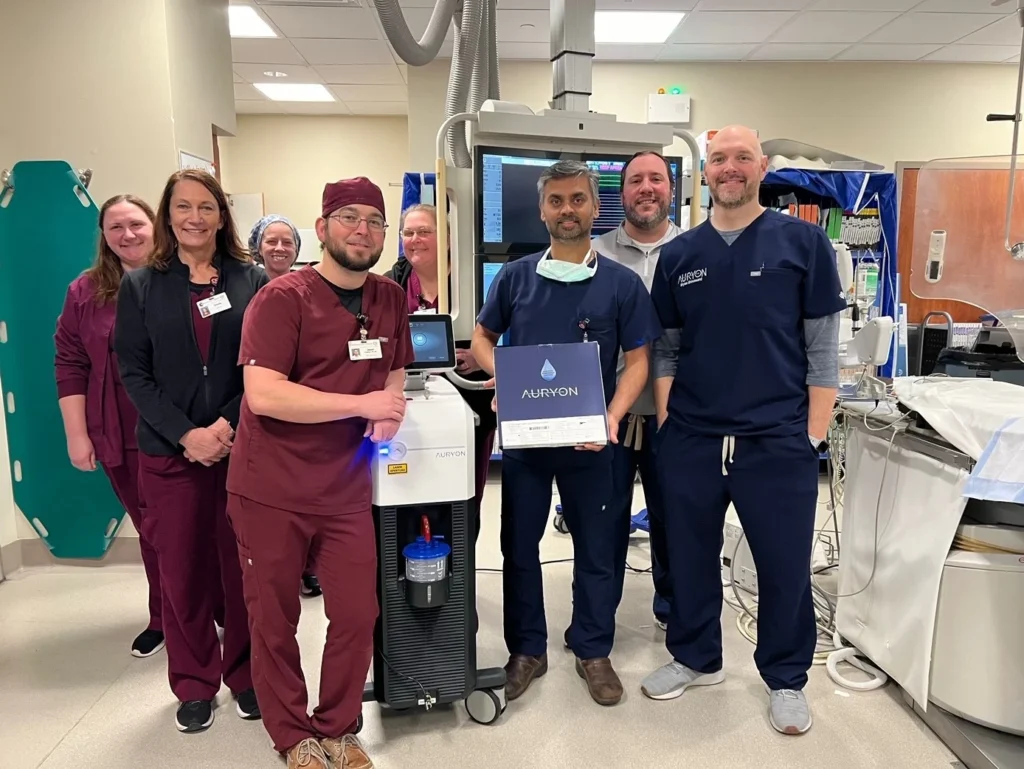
[
  {"x": 294, "y": 91},
  {"x": 245, "y": 22},
  {"x": 635, "y": 26},
  {"x": 526, "y": 26},
  {"x": 273, "y": 73}
]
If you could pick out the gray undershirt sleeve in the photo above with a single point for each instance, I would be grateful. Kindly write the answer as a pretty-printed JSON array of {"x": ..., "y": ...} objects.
[
  {"x": 666, "y": 353},
  {"x": 822, "y": 338}
]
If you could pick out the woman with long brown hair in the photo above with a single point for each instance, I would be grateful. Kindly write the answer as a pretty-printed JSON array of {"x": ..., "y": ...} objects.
[
  {"x": 99, "y": 419},
  {"x": 178, "y": 332}
]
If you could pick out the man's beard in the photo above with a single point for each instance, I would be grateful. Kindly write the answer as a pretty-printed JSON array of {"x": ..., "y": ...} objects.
[
  {"x": 748, "y": 194},
  {"x": 341, "y": 257},
  {"x": 650, "y": 221},
  {"x": 580, "y": 233}
]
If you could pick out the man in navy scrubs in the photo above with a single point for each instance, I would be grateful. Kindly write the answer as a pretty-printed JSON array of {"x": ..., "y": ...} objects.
[
  {"x": 646, "y": 187},
  {"x": 568, "y": 294},
  {"x": 744, "y": 389}
]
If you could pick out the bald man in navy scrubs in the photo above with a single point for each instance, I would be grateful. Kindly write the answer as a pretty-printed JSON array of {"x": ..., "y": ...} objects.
[
  {"x": 569, "y": 294},
  {"x": 745, "y": 382},
  {"x": 324, "y": 352}
]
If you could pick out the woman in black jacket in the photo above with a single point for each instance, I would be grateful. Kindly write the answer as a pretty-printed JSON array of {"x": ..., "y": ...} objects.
[
  {"x": 177, "y": 336},
  {"x": 417, "y": 274}
]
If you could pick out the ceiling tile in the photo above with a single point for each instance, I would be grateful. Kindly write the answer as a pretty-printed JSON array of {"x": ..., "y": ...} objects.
[
  {"x": 378, "y": 107},
  {"x": 335, "y": 23},
  {"x": 371, "y": 92},
  {"x": 418, "y": 18},
  {"x": 876, "y": 52},
  {"x": 344, "y": 51},
  {"x": 832, "y": 26},
  {"x": 237, "y": 78},
  {"x": 403, "y": 70},
  {"x": 964, "y": 6},
  {"x": 361, "y": 74},
  {"x": 256, "y": 73},
  {"x": 705, "y": 52},
  {"x": 752, "y": 5},
  {"x": 317, "y": 108},
  {"x": 265, "y": 107},
  {"x": 531, "y": 51},
  {"x": 627, "y": 52},
  {"x": 524, "y": 26},
  {"x": 863, "y": 5},
  {"x": 626, "y": 5},
  {"x": 264, "y": 51},
  {"x": 798, "y": 51},
  {"x": 1005, "y": 31},
  {"x": 246, "y": 92},
  {"x": 418, "y": 3},
  {"x": 729, "y": 27},
  {"x": 930, "y": 28},
  {"x": 979, "y": 53}
]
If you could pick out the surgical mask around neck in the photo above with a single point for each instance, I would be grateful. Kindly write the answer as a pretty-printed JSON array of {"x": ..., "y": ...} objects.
[{"x": 567, "y": 272}]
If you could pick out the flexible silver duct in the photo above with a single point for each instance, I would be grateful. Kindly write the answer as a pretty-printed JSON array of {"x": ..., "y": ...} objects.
[
  {"x": 480, "y": 81},
  {"x": 467, "y": 40},
  {"x": 491, "y": 40},
  {"x": 413, "y": 52}
]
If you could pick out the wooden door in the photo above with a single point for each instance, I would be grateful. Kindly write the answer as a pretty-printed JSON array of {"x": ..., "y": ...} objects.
[{"x": 972, "y": 204}]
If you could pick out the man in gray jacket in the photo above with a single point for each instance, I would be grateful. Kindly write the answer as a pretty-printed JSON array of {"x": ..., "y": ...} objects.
[{"x": 646, "y": 185}]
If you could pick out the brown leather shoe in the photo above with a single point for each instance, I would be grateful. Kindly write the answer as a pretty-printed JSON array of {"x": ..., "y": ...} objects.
[
  {"x": 602, "y": 681},
  {"x": 520, "y": 672},
  {"x": 346, "y": 753},
  {"x": 308, "y": 755}
]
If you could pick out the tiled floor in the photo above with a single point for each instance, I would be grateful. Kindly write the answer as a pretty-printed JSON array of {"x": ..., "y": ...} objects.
[{"x": 71, "y": 696}]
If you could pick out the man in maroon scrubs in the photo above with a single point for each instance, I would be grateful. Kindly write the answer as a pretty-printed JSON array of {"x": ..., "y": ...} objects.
[{"x": 324, "y": 350}]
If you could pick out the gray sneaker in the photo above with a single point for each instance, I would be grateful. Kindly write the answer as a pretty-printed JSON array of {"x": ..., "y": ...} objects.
[
  {"x": 671, "y": 680},
  {"x": 788, "y": 711}
]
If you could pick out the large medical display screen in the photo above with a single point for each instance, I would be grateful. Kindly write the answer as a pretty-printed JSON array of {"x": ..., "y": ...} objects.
[{"x": 509, "y": 218}]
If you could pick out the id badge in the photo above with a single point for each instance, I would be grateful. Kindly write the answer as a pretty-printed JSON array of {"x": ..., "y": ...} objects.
[
  {"x": 426, "y": 311},
  {"x": 213, "y": 305},
  {"x": 365, "y": 349}
]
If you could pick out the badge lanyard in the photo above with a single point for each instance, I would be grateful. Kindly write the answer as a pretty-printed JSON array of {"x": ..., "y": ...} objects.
[{"x": 364, "y": 348}]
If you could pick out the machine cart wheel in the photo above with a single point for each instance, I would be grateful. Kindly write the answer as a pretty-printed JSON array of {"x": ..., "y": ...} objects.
[{"x": 485, "y": 706}]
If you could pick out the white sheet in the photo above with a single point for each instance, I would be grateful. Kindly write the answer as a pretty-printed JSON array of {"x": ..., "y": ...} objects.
[
  {"x": 999, "y": 474},
  {"x": 966, "y": 412},
  {"x": 920, "y": 503}
]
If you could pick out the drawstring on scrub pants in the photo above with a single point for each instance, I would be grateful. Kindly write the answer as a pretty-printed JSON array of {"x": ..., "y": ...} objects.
[
  {"x": 634, "y": 432},
  {"x": 728, "y": 449}
]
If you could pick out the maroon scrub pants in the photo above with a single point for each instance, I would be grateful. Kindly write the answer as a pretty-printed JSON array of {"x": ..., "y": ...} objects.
[
  {"x": 272, "y": 546},
  {"x": 124, "y": 480},
  {"x": 186, "y": 522}
]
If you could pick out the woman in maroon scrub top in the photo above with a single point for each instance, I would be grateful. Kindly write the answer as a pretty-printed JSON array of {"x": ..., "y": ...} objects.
[
  {"x": 178, "y": 330},
  {"x": 99, "y": 419},
  {"x": 417, "y": 274},
  {"x": 323, "y": 352}
]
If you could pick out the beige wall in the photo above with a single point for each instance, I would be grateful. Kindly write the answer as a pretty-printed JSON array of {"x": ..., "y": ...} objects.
[
  {"x": 880, "y": 112},
  {"x": 113, "y": 86},
  {"x": 202, "y": 91},
  {"x": 289, "y": 159}
]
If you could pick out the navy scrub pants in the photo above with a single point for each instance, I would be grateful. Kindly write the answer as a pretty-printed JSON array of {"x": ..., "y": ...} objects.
[
  {"x": 626, "y": 461},
  {"x": 773, "y": 483},
  {"x": 585, "y": 486}
]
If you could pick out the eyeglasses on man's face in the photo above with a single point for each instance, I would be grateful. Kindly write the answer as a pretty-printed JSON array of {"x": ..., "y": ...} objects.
[{"x": 351, "y": 221}]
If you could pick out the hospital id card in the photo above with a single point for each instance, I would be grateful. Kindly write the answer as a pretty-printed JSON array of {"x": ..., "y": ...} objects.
[
  {"x": 365, "y": 349},
  {"x": 213, "y": 305}
]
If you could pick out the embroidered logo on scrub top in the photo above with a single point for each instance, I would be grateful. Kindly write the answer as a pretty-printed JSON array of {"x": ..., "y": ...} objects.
[
  {"x": 693, "y": 276},
  {"x": 547, "y": 371}
]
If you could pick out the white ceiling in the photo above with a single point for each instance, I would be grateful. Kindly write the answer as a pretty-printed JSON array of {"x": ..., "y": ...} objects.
[{"x": 341, "y": 43}]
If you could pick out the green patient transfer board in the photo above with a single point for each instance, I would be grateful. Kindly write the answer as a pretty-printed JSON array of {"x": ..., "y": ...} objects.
[{"x": 48, "y": 236}]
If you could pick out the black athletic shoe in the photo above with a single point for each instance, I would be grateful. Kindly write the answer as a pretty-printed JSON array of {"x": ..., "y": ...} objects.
[
  {"x": 147, "y": 643},
  {"x": 310, "y": 586},
  {"x": 194, "y": 716},
  {"x": 246, "y": 705}
]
